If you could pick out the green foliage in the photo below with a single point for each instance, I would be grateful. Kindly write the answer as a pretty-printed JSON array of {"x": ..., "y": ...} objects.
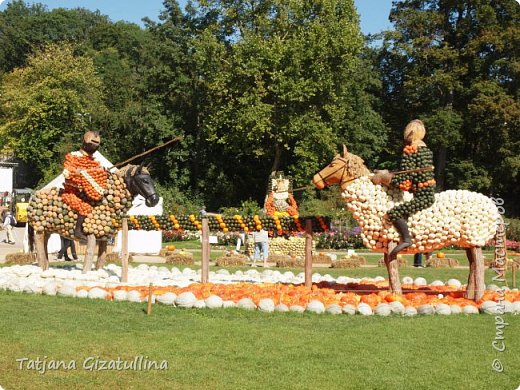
[
  {"x": 178, "y": 202},
  {"x": 46, "y": 105},
  {"x": 247, "y": 207},
  {"x": 513, "y": 229},
  {"x": 456, "y": 65},
  {"x": 266, "y": 85},
  {"x": 279, "y": 97}
]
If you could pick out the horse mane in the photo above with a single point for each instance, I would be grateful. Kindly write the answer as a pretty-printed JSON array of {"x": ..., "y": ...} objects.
[
  {"x": 355, "y": 165},
  {"x": 131, "y": 170}
]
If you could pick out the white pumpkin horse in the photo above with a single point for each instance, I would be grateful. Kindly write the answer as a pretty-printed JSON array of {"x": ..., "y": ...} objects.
[{"x": 463, "y": 218}]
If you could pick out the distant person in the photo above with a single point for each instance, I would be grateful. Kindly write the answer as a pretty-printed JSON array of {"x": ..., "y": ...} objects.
[
  {"x": 67, "y": 243},
  {"x": 203, "y": 213},
  {"x": 9, "y": 222},
  {"x": 417, "y": 259},
  {"x": 261, "y": 239}
]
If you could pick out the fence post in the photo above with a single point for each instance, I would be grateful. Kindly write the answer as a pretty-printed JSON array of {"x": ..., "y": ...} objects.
[
  {"x": 124, "y": 251},
  {"x": 308, "y": 253},
  {"x": 204, "y": 267}
]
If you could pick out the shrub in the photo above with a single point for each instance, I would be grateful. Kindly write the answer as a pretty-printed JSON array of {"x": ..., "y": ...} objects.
[{"x": 513, "y": 229}]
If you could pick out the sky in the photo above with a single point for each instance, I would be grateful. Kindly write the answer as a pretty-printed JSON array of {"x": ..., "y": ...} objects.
[{"x": 374, "y": 13}]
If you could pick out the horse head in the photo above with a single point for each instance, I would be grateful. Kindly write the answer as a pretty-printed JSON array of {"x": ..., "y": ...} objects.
[
  {"x": 342, "y": 170},
  {"x": 139, "y": 182}
]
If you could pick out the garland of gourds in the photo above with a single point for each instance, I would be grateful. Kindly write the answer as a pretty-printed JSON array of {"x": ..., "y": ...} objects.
[{"x": 223, "y": 223}]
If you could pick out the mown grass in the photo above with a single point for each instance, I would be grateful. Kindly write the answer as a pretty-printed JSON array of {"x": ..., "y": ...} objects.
[
  {"x": 372, "y": 258},
  {"x": 234, "y": 349}
]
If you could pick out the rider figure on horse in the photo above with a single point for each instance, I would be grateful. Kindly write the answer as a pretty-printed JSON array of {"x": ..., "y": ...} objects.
[
  {"x": 418, "y": 159},
  {"x": 85, "y": 180}
]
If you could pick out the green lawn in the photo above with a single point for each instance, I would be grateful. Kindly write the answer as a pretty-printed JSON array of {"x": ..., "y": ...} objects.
[
  {"x": 234, "y": 349},
  {"x": 372, "y": 258}
]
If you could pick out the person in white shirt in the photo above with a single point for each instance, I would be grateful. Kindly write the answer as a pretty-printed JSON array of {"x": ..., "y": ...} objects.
[
  {"x": 261, "y": 239},
  {"x": 9, "y": 222}
]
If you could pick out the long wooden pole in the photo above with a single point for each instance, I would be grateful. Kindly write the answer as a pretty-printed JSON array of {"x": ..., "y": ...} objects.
[
  {"x": 120, "y": 164},
  {"x": 204, "y": 267},
  {"x": 417, "y": 170},
  {"x": 308, "y": 253},
  {"x": 124, "y": 251}
]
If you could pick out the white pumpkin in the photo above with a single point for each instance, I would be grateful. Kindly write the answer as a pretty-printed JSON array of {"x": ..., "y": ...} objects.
[
  {"x": 315, "y": 306},
  {"x": 166, "y": 298},
  {"x": 120, "y": 295},
  {"x": 454, "y": 283},
  {"x": 397, "y": 307},
  {"x": 246, "y": 303},
  {"x": 426, "y": 309},
  {"x": 97, "y": 293},
  {"x": 199, "y": 304},
  {"x": 214, "y": 302},
  {"x": 383, "y": 309},
  {"x": 228, "y": 304},
  {"x": 364, "y": 309},
  {"x": 349, "y": 309},
  {"x": 443, "y": 309},
  {"x": 334, "y": 309},
  {"x": 186, "y": 300},
  {"x": 297, "y": 308},
  {"x": 266, "y": 304},
  {"x": 134, "y": 296},
  {"x": 470, "y": 309},
  {"x": 455, "y": 309},
  {"x": 281, "y": 307}
]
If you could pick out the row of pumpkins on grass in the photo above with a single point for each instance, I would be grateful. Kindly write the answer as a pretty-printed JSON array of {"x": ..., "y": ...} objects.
[{"x": 222, "y": 223}]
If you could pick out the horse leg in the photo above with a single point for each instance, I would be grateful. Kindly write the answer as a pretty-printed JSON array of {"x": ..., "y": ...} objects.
[
  {"x": 392, "y": 267},
  {"x": 470, "y": 288},
  {"x": 46, "y": 238},
  {"x": 89, "y": 256},
  {"x": 102, "y": 254},
  {"x": 41, "y": 250},
  {"x": 476, "y": 283}
]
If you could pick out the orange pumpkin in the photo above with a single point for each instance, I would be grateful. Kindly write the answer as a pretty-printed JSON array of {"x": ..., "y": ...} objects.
[{"x": 441, "y": 255}]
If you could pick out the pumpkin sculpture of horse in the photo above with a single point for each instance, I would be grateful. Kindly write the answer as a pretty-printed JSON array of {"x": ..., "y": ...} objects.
[
  {"x": 47, "y": 213},
  {"x": 462, "y": 218}
]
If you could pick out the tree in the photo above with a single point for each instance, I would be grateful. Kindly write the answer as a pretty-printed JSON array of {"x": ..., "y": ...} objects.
[
  {"x": 455, "y": 64},
  {"x": 288, "y": 85},
  {"x": 25, "y": 29},
  {"x": 48, "y": 104}
]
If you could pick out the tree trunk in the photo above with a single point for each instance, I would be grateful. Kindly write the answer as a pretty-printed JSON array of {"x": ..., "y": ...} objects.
[
  {"x": 277, "y": 157},
  {"x": 440, "y": 167}
]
